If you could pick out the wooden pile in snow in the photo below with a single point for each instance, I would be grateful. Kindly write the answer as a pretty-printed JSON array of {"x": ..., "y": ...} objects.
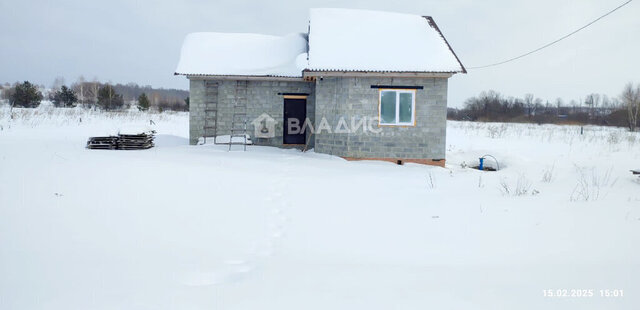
[
  {"x": 102, "y": 143},
  {"x": 139, "y": 141}
]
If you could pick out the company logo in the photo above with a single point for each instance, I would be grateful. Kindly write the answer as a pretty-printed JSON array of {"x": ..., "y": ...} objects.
[
  {"x": 364, "y": 124},
  {"x": 264, "y": 126}
]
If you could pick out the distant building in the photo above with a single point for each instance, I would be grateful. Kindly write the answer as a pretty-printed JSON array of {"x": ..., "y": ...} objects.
[{"x": 371, "y": 85}]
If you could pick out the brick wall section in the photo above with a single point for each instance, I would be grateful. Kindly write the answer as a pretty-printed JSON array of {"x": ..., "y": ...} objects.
[
  {"x": 431, "y": 162},
  {"x": 196, "y": 110},
  {"x": 262, "y": 97},
  {"x": 349, "y": 97}
]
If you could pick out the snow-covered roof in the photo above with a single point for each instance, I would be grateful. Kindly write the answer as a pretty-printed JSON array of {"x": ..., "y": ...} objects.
[
  {"x": 214, "y": 53},
  {"x": 361, "y": 40},
  {"x": 338, "y": 40}
]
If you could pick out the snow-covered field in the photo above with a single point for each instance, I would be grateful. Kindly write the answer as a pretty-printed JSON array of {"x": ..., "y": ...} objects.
[{"x": 197, "y": 227}]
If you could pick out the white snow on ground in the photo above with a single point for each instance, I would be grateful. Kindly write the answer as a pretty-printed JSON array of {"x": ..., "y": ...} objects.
[
  {"x": 346, "y": 39},
  {"x": 241, "y": 54},
  {"x": 197, "y": 227}
]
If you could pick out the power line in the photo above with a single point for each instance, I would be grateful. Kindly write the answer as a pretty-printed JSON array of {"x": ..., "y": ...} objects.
[{"x": 554, "y": 42}]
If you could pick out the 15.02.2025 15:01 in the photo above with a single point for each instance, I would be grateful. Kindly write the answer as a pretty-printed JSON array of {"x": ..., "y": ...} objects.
[{"x": 583, "y": 293}]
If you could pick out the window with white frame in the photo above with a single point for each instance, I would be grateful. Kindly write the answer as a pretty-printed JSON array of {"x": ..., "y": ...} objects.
[{"x": 397, "y": 107}]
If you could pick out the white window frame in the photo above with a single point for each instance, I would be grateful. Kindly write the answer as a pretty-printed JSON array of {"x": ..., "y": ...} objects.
[{"x": 398, "y": 92}]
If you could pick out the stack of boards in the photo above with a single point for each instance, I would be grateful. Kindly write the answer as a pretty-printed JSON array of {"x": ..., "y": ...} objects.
[
  {"x": 102, "y": 143},
  {"x": 141, "y": 141}
]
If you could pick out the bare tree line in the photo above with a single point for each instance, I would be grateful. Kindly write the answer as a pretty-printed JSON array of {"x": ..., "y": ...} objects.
[
  {"x": 595, "y": 108},
  {"x": 160, "y": 98},
  {"x": 631, "y": 101},
  {"x": 87, "y": 93}
]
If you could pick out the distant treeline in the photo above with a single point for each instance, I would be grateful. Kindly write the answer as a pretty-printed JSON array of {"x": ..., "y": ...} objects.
[
  {"x": 95, "y": 94},
  {"x": 159, "y": 98},
  {"x": 597, "y": 109}
]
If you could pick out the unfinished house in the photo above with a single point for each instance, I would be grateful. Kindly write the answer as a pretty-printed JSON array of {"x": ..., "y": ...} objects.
[{"x": 359, "y": 84}]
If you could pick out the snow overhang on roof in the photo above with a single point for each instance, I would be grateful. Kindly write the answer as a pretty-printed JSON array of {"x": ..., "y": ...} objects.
[
  {"x": 244, "y": 54},
  {"x": 343, "y": 40},
  {"x": 361, "y": 40}
]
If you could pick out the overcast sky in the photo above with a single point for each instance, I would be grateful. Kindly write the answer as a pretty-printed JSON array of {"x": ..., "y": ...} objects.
[{"x": 139, "y": 41}]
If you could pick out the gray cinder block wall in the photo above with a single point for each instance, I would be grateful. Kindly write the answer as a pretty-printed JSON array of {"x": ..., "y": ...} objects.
[
  {"x": 333, "y": 98},
  {"x": 262, "y": 97},
  {"x": 349, "y": 97}
]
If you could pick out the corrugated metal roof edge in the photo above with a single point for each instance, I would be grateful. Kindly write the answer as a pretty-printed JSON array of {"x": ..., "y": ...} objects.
[
  {"x": 433, "y": 24},
  {"x": 317, "y": 70},
  {"x": 380, "y": 71},
  {"x": 239, "y": 75}
]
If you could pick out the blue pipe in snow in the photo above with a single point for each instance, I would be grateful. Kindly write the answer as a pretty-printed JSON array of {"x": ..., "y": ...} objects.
[{"x": 481, "y": 167}]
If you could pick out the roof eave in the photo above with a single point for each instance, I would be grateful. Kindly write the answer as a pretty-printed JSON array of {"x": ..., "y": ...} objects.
[
  {"x": 433, "y": 24},
  {"x": 240, "y": 77},
  {"x": 370, "y": 73}
]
